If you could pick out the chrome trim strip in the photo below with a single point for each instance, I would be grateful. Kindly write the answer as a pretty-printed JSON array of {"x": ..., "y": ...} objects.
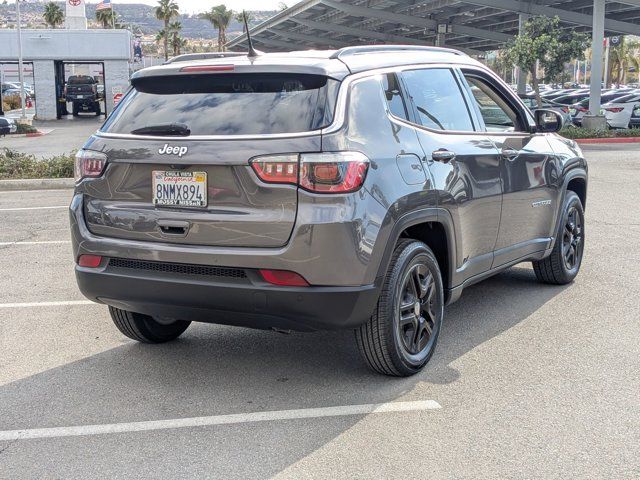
[{"x": 193, "y": 138}]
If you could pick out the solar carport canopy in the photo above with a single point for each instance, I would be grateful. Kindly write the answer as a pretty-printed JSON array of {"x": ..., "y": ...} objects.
[{"x": 471, "y": 25}]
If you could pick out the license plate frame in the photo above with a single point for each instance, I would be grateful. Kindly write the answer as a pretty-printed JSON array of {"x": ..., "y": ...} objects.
[{"x": 182, "y": 195}]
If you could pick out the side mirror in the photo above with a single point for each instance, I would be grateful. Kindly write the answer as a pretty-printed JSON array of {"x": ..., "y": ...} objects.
[{"x": 548, "y": 121}]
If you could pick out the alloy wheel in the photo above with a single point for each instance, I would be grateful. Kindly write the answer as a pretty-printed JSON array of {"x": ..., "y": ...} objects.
[
  {"x": 417, "y": 317},
  {"x": 572, "y": 239}
]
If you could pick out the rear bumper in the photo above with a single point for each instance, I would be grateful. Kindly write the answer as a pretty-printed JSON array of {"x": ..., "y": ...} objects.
[{"x": 247, "y": 302}]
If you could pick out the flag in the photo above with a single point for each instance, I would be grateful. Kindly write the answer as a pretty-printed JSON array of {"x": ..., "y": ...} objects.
[{"x": 104, "y": 5}]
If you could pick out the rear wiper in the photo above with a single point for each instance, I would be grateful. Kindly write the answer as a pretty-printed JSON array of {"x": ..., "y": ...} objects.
[{"x": 169, "y": 129}]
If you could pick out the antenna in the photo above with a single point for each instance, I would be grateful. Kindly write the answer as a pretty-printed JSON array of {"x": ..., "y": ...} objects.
[{"x": 252, "y": 52}]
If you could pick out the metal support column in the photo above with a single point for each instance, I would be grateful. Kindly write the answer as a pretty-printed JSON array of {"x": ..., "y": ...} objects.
[
  {"x": 520, "y": 75},
  {"x": 594, "y": 120}
]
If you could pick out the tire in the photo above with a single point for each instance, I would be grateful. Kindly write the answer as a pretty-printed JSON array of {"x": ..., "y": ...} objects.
[
  {"x": 561, "y": 267},
  {"x": 76, "y": 110},
  {"x": 144, "y": 328},
  {"x": 98, "y": 109},
  {"x": 396, "y": 340}
]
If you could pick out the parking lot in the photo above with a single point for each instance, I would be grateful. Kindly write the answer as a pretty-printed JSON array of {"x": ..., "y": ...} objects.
[{"x": 528, "y": 381}]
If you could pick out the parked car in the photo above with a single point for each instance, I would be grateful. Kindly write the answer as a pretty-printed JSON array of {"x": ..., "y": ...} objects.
[
  {"x": 358, "y": 189},
  {"x": 82, "y": 92},
  {"x": 530, "y": 101},
  {"x": 7, "y": 126},
  {"x": 578, "y": 110},
  {"x": 619, "y": 111}
]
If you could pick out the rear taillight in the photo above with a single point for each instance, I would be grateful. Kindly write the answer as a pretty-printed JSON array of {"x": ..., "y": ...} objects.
[
  {"x": 335, "y": 172},
  {"x": 89, "y": 261},
  {"x": 582, "y": 109},
  {"x": 89, "y": 164},
  {"x": 277, "y": 168},
  {"x": 284, "y": 278},
  {"x": 614, "y": 109},
  {"x": 565, "y": 109}
]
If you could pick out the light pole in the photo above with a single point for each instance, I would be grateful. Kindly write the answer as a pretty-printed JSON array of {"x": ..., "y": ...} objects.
[{"x": 23, "y": 118}]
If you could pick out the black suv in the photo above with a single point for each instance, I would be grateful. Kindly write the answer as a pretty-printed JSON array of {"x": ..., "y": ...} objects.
[{"x": 362, "y": 188}]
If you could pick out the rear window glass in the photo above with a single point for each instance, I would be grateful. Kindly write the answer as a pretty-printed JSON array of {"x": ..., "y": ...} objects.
[
  {"x": 228, "y": 104},
  {"x": 81, "y": 79}
]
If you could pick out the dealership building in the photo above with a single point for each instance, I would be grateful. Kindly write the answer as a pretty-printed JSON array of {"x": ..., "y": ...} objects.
[{"x": 52, "y": 55}]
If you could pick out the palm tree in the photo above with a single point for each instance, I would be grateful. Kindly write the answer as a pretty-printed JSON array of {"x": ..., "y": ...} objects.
[
  {"x": 622, "y": 57},
  {"x": 106, "y": 17},
  {"x": 53, "y": 15},
  {"x": 220, "y": 17},
  {"x": 240, "y": 19},
  {"x": 165, "y": 11},
  {"x": 174, "y": 36}
]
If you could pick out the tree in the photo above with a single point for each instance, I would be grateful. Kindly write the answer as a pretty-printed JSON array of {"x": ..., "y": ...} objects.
[
  {"x": 622, "y": 57},
  {"x": 220, "y": 17},
  {"x": 106, "y": 17},
  {"x": 174, "y": 37},
  {"x": 240, "y": 19},
  {"x": 542, "y": 40},
  {"x": 53, "y": 15},
  {"x": 165, "y": 11}
]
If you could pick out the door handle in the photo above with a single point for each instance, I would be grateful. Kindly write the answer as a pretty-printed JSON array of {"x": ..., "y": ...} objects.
[
  {"x": 510, "y": 153},
  {"x": 443, "y": 155}
]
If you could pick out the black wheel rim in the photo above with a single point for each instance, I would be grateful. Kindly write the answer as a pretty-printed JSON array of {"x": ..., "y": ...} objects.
[
  {"x": 572, "y": 239},
  {"x": 416, "y": 310}
]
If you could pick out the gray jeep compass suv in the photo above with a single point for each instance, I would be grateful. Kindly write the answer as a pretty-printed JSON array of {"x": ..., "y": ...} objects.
[{"x": 362, "y": 188}]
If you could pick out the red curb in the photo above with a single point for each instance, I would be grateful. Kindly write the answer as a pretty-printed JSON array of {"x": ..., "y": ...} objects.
[
  {"x": 35, "y": 134},
  {"x": 608, "y": 140}
]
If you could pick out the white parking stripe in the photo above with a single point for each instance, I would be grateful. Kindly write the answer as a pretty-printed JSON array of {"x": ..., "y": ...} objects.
[
  {"x": 18, "y": 209},
  {"x": 44, "y": 242},
  {"x": 340, "y": 411},
  {"x": 46, "y": 304}
]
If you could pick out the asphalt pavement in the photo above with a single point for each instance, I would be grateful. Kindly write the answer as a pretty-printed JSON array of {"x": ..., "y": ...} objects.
[
  {"x": 528, "y": 381},
  {"x": 63, "y": 137}
]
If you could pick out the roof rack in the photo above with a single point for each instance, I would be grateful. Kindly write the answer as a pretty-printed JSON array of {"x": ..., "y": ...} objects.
[{"x": 346, "y": 51}]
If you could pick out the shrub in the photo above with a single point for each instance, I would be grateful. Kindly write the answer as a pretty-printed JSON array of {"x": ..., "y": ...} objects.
[
  {"x": 22, "y": 128},
  {"x": 577, "y": 133},
  {"x": 14, "y": 165},
  {"x": 11, "y": 102}
]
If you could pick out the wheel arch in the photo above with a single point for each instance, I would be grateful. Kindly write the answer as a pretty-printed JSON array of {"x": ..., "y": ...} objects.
[{"x": 432, "y": 226}]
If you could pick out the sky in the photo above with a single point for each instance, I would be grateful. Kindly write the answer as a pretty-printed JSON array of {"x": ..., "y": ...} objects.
[{"x": 197, "y": 6}]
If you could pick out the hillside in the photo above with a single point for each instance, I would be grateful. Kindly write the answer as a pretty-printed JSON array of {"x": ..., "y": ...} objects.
[{"x": 140, "y": 16}]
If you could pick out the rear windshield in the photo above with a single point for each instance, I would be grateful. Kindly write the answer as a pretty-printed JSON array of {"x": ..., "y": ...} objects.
[
  {"x": 228, "y": 104},
  {"x": 81, "y": 80}
]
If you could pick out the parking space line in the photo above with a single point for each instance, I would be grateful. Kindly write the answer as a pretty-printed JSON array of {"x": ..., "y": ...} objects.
[
  {"x": 18, "y": 209},
  {"x": 47, "y": 304},
  {"x": 44, "y": 242},
  {"x": 238, "y": 418},
  {"x": 70, "y": 189}
]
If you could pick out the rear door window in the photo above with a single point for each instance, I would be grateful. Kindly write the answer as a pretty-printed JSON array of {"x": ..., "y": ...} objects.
[
  {"x": 228, "y": 104},
  {"x": 437, "y": 99}
]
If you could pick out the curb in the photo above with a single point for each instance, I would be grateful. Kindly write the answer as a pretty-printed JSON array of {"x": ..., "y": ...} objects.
[
  {"x": 588, "y": 141},
  {"x": 29, "y": 135},
  {"x": 37, "y": 184}
]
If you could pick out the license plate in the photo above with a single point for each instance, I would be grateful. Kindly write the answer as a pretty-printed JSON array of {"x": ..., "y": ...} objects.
[
  {"x": 80, "y": 96},
  {"x": 180, "y": 189}
]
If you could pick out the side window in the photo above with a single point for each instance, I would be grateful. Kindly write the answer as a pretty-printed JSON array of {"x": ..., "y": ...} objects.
[
  {"x": 393, "y": 94},
  {"x": 497, "y": 114},
  {"x": 438, "y": 100}
]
